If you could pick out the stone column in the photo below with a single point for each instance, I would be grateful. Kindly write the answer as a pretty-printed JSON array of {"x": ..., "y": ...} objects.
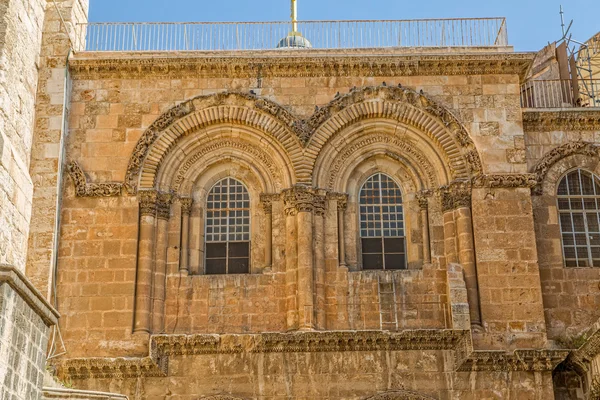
[
  {"x": 424, "y": 206},
  {"x": 163, "y": 214},
  {"x": 291, "y": 264},
  {"x": 267, "y": 204},
  {"x": 458, "y": 233},
  {"x": 320, "y": 312},
  {"x": 186, "y": 208},
  {"x": 145, "y": 262},
  {"x": 342, "y": 204}
]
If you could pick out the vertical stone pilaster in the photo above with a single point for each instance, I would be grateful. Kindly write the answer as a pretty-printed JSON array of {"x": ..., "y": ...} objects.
[
  {"x": 319, "y": 236},
  {"x": 291, "y": 266},
  {"x": 164, "y": 201},
  {"x": 145, "y": 264},
  {"x": 342, "y": 204},
  {"x": 424, "y": 206},
  {"x": 267, "y": 204},
  {"x": 186, "y": 208},
  {"x": 459, "y": 241}
]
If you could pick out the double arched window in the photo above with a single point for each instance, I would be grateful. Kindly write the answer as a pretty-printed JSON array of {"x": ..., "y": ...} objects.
[
  {"x": 579, "y": 211},
  {"x": 382, "y": 224},
  {"x": 227, "y": 233}
]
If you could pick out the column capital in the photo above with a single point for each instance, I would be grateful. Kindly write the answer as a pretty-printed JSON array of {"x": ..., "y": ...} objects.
[
  {"x": 299, "y": 199},
  {"x": 423, "y": 199},
  {"x": 341, "y": 198},
  {"x": 148, "y": 199},
  {"x": 186, "y": 204},
  {"x": 163, "y": 205},
  {"x": 266, "y": 201},
  {"x": 455, "y": 195}
]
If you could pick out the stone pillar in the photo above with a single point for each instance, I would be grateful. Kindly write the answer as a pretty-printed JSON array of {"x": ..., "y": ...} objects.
[
  {"x": 342, "y": 204},
  {"x": 163, "y": 214},
  {"x": 319, "y": 302},
  {"x": 186, "y": 208},
  {"x": 291, "y": 264},
  {"x": 458, "y": 234},
  {"x": 267, "y": 204},
  {"x": 424, "y": 206},
  {"x": 145, "y": 263}
]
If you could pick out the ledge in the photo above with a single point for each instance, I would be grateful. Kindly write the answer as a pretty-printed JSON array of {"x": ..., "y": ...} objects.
[
  {"x": 164, "y": 346},
  {"x": 91, "y": 65},
  {"x": 64, "y": 393},
  {"x": 19, "y": 283},
  {"x": 564, "y": 119}
]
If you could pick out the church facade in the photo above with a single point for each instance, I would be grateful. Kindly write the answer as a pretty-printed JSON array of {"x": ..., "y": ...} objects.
[{"x": 304, "y": 223}]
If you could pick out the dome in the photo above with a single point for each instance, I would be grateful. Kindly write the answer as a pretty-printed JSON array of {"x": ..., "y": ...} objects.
[{"x": 294, "y": 40}]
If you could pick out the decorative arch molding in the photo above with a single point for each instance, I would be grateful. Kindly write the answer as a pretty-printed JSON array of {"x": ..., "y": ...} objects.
[
  {"x": 398, "y": 104},
  {"x": 550, "y": 160},
  {"x": 202, "y": 111},
  {"x": 399, "y": 395}
]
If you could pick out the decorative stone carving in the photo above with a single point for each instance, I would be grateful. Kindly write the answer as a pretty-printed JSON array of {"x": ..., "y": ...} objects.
[
  {"x": 552, "y": 157},
  {"x": 399, "y": 395},
  {"x": 563, "y": 120},
  {"x": 148, "y": 137},
  {"x": 519, "y": 360},
  {"x": 148, "y": 200},
  {"x": 581, "y": 358},
  {"x": 313, "y": 65},
  {"x": 163, "y": 205},
  {"x": 85, "y": 189},
  {"x": 186, "y": 205},
  {"x": 320, "y": 205},
  {"x": 456, "y": 195},
  {"x": 299, "y": 199},
  {"x": 341, "y": 198},
  {"x": 505, "y": 181},
  {"x": 266, "y": 200}
]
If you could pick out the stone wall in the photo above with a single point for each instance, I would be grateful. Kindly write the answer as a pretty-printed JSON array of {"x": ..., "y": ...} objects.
[
  {"x": 25, "y": 319},
  {"x": 20, "y": 39}
]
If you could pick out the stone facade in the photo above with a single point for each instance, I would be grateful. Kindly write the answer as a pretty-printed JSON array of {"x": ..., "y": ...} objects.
[{"x": 126, "y": 149}]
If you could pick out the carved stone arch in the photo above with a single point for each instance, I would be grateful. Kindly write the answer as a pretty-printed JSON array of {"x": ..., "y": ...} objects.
[
  {"x": 562, "y": 158},
  {"x": 282, "y": 128},
  {"x": 399, "y": 395},
  {"x": 405, "y": 107}
]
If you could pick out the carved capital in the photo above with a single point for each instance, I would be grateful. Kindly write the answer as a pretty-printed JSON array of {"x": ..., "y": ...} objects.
[
  {"x": 85, "y": 189},
  {"x": 148, "y": 200},
  {"x": 341, "y": 198},
  {"x": 266, "y": 201},
  {"x": 456, "y": 195},
  {"x": 320, "y": 204},
  {"x": 163, "y": 205},
  {"x": 186, "y": 205},
  {"x": 299, "y": 199}
]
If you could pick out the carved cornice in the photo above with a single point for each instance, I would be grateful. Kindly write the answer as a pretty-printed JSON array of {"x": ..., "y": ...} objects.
[
  {"x": 552, "y": 157},
  {"x": 148, "y": 200},
  {"x": 164, "y": 346},
  {"x": 399, "y": 395},
  {"x": 309, "y": 64},
  {"x": 186, "y": 205},
  {"x": 340, "y": 198},
  {"x": 505, "y": 181},
  {"x": 85, "y": 189},
  {"x": 576, "y": 119},
  {"x": 163, "y": 205},
  {"x": 519, "y": 360},
  {"x": 456, "y": 195},
  {"x": 267, "y": 199}
]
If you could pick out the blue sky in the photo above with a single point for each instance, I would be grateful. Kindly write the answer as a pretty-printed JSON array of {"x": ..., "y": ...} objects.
[{"x": 531, "y": 23}]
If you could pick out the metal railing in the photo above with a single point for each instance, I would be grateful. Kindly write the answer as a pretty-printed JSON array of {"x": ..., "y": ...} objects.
[
  {"x": 560, "y": 94},
  {"x": 209, "y": 36}
]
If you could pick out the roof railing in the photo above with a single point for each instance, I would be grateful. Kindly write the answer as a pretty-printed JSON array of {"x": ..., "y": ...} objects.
[
  {"x": 560, "y": 93},
  {"x": 221, "y": 36}
]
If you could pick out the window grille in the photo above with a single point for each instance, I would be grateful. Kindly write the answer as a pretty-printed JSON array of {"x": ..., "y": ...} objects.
[
  {"x": 579, "y": 212},
  {"x": 227, "y": 233},
  {"x": 382, "y": 224}
]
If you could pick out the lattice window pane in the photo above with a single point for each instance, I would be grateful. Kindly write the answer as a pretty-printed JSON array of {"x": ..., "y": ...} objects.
[
  {"x": 579, "y": 214},
  {"x": 228, "y": 228},
  {"x": 382, "y": 224}
]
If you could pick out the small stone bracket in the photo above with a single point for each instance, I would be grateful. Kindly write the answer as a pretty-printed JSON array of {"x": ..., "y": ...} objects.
[{"x": 85, "y": 189}]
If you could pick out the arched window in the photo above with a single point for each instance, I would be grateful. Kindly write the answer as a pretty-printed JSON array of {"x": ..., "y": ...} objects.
[
  {"x": 382, "y": 224},
  {"x": 579, "y": 210},
  {"x": 228, "y": 228}
]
